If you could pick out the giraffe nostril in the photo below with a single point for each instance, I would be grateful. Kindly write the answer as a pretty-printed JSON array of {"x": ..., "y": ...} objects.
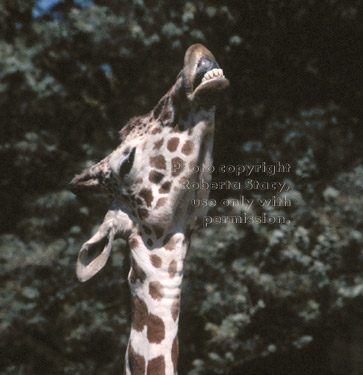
[{"x": 127, "y": 163}]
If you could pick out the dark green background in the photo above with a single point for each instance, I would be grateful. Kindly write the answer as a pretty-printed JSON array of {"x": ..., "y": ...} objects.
[{"x": 257, "y": 299}]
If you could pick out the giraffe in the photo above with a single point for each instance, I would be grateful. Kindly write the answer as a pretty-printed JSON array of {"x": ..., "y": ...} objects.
[{"x": 152, "y": 209}]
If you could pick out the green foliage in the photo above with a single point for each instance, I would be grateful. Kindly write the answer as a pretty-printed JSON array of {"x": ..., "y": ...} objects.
[
  {"x": 266, "y": 289},
  {"x": 73, "y": 75}
]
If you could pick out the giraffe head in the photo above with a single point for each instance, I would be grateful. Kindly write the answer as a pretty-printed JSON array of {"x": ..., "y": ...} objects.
[
  {"x": 143, "y": 175},
  {"x": 202, "y": 78}
]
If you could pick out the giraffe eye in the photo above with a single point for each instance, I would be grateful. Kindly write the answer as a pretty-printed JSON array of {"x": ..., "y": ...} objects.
[{"x": 127, "y": 163}]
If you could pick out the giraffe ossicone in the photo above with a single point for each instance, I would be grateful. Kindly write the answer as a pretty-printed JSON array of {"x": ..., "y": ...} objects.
[{"x": 152, "y": 211}]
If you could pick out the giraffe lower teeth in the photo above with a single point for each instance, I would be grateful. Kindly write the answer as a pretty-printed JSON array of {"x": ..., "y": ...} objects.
[{"x": 211, "y": 74}]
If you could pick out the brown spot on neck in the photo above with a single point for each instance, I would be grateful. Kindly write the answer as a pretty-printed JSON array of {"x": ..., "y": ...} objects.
[
  {"x": 172, "y": 269},
  {"x": 155, "y": 329},
  {"x": 147, "y": 195},
  {"x": 133, "y": 243},
  {"x": 136, "y": 362},
  {"x": 160, "y": 202},
  {"x": 156, "y": 131},
  {"x": 155, "y": 177},
  {"x": 156, "y": 261},
  {"x": 156, "y": 290},
  {"x": 137, "y": 273},
  {"x": 158, "y": 144},
  {"x": 187, "y": 148},
  {"x": 156, "y": 366},
  {"x": 177, "y": 166},
  {"x": 173, "y": 144},
  {"x": 165, "y": 187},
  {"x": 157, "y": 161},
  {"x": 175, "y": 309},
  {"x": 175, "y": 353},
  {"x": 139, "y": 314}
]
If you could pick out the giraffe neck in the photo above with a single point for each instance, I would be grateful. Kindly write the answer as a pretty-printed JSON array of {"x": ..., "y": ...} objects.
[
  {"x": 155, "y": 281},
  {"x": 148, "y": 176}
]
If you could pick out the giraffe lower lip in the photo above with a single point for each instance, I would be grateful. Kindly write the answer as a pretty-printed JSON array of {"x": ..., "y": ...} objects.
[
  {"x": 212, "y": 80},
  {"x": 216, "y": 83}
]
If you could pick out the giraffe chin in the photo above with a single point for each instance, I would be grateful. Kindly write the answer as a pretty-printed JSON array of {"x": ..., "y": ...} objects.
[{"x": 208, "y": 93}]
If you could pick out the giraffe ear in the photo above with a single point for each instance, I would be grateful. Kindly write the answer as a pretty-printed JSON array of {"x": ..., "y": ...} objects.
[
  {"x": 96, "y": 251},
  {"x": 179, "y": 88},
  {"x": 179, "y": 97}
]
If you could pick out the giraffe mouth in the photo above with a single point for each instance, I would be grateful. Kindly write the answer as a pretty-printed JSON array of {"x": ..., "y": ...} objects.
[
  {"x": 202, "y": 76},
  {"x": 212, "y": 74},
  {"x": 211, "y": 84}
]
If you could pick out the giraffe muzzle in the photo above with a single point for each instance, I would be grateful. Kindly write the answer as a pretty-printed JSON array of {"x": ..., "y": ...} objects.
[{"x": 203, "y": 78}]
